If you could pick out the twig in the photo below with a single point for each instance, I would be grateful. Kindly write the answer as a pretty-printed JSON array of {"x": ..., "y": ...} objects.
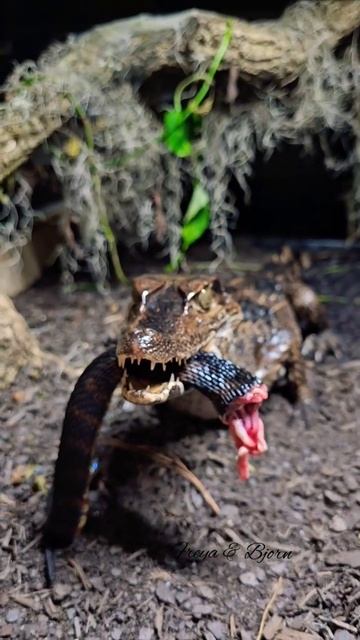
[
  {"x": 31, "y": 544},
  {"x": 64, "y": 367},
  {"x": 80, "y": 573},
  {"x": 339, "y": 623},
  {"x": 25, "y": 601},
  {"x": 232, "y": 626},
  {"x": 171, "y": 462},
  {"x": 276, "y": 591}
]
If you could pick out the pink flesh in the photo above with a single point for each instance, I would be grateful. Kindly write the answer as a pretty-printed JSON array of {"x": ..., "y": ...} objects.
[{"x": 247, "y": 427}]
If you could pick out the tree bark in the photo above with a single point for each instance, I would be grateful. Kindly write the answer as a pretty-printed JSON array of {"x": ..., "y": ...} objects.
[{"x": 275, "y": 50}]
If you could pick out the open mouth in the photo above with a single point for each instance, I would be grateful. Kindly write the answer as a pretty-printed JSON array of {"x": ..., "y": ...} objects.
[{"x": 146, "y": 381}]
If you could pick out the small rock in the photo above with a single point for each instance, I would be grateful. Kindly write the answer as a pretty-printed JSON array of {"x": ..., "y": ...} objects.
[
  {"x": 230, "y": 511},
  {"x": 351, "y": 483},
  {"x": 337, "y": 524},
  {"x": 116, "y": 634},
  {"x": 98, "y": 583},
  {"x": 342, "y": 634},
  {"x": 260, "y": 574},
  {"x": 196, "y": 498},
  {"x": 116, "y": 572},
  {"x": 181, "y": 596},
  {"x": 165, "y": 593},
  {"x": 328, "y": 471},
  {"x": 279, "y": 568},
  {"x": 206, "y": 592},
  {"x": 249, "y": 579},
  {"x": 70, "y": 613},
  {"x": 218, "y": 629},
  {"x": 331, "y": 497},
  {"x": 146, "y": 633},
  {"x": 12, "y": 615},
  {"x": 60, "y": 591},
  {"x": 200, "y": 610},
  {"x": 6, "y": 631}
]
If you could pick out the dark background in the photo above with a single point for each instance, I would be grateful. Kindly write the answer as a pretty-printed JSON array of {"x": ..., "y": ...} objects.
[{"x": 293, "y": 194}]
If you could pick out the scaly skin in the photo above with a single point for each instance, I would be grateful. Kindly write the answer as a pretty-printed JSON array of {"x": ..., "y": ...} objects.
[
  {"x": 84, "y": 413},
  {"x": 171, "y": 320}
]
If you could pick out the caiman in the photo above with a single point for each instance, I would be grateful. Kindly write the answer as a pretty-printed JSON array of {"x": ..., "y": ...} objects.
[{"x": 211, "y": 347}]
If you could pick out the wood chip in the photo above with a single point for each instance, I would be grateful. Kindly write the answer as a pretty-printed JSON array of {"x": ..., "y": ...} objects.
[
  {"x": 7, "y": 501},
  {"x": 26, "y": 601},
  {"x": 159, "y": 620},
  {"x": 349, "y": 558},
  {"x": 293, "y": 634},
  {"x": 277, "y": 589},
  {"x": 339, "y": 623},
  {"x": 79, "y": 571},
  {"x": 232, "y": 626},
  {"x": 50, "y": 609},
  {"x": 272, "y": 627},
  {"x": 309, "y": 597}
]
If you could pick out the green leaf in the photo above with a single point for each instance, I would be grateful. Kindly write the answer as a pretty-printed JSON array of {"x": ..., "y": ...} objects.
[
  {"x": 199, "y": 200},
  {"x": 176, "y": 135},
  {"x": 195, "y": 228},
  {"x": 175, "y": 264}
]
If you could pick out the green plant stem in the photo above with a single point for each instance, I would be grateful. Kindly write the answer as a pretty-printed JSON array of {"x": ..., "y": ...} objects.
[
  {"x": 215, "y": 64},
  {"x": 108, "y": 232},
  {"x": 195, "y": 103},
  {"x": 184, "y": 84},
  {"x": 103, "y": 217}
]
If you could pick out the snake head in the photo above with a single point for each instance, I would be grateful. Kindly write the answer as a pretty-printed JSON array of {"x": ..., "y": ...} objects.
[{"x": 246, "y": 426}]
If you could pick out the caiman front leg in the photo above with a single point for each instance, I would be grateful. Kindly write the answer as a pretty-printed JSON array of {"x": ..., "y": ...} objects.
[
  {"x": 84, "y": 413},
  {"x": 300, "y": 392}
]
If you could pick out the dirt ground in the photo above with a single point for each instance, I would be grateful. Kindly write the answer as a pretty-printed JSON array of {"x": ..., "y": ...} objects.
[{"x": 132, "y": 573}]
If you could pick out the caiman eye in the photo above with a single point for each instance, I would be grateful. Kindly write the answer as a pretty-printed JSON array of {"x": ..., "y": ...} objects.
[{"x": 204, "y": 298}]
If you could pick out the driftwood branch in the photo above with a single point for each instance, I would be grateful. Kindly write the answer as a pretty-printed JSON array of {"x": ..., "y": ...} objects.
[{"x": 133, "y": 49}]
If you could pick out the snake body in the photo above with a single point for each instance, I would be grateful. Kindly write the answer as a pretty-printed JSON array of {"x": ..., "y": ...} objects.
[{"x": 218, "y": 379}]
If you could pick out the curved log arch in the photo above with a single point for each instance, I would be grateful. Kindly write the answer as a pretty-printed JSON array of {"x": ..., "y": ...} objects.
[{"x": 272, "y": 49}]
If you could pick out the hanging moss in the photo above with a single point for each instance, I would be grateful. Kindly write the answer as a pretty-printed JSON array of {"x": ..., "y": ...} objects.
[{"x": 139, "y": 183}]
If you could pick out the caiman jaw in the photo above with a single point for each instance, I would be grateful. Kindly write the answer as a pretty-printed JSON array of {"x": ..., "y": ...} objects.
[{"x": 146, "y": 381}]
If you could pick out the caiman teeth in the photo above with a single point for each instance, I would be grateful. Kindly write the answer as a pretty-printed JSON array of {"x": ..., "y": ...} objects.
[
  {"x": 152, "y": 365},
  {"x": 164, "y": 366}
]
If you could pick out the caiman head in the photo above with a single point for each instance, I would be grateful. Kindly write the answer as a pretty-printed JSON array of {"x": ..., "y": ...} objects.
[{"x": 171, "y": 318}]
